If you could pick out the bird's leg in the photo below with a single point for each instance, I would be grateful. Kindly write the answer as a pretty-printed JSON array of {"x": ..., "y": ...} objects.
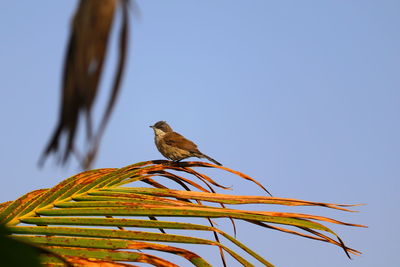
[{"x": 177, "y": 161}]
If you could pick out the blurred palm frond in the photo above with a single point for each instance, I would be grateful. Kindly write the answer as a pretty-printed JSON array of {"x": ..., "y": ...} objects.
[{"x": 83, "y": 68}]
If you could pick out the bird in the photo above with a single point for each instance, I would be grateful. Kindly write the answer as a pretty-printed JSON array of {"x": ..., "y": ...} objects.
[{"x": 174, "y": 146}]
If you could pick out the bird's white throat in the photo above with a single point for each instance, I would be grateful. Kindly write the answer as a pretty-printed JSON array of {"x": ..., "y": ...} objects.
[{"x": 159, "y": 133}]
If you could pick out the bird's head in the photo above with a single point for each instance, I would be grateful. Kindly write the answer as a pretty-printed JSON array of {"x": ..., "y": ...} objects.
[{"x": 161, "y": 128}]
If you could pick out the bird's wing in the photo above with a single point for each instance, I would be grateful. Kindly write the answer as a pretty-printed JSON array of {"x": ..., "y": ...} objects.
[{"x": 177, "y": 140}]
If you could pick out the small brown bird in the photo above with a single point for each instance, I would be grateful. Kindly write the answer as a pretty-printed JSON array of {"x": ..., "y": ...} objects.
[{"x": 174, "y": 146}]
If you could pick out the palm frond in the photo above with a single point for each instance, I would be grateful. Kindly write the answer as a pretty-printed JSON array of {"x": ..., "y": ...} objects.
[{"x": 73, "y": 219}]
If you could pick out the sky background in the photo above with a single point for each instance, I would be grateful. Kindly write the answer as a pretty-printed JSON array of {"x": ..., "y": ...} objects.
[{"x": 302, "y": 95}]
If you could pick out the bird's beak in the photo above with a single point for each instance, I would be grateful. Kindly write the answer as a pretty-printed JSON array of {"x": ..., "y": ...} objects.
[{"x": 151, "y": 126}]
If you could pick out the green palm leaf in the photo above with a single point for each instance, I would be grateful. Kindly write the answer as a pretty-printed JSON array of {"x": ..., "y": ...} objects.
[{"x": 73, "y": 219}]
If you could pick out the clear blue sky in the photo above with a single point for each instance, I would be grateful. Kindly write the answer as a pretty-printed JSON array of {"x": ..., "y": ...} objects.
[{"x": 302, "y": 95}]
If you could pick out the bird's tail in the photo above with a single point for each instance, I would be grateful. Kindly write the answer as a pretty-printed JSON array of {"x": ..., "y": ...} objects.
[{"x": 210, "y": 159}]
